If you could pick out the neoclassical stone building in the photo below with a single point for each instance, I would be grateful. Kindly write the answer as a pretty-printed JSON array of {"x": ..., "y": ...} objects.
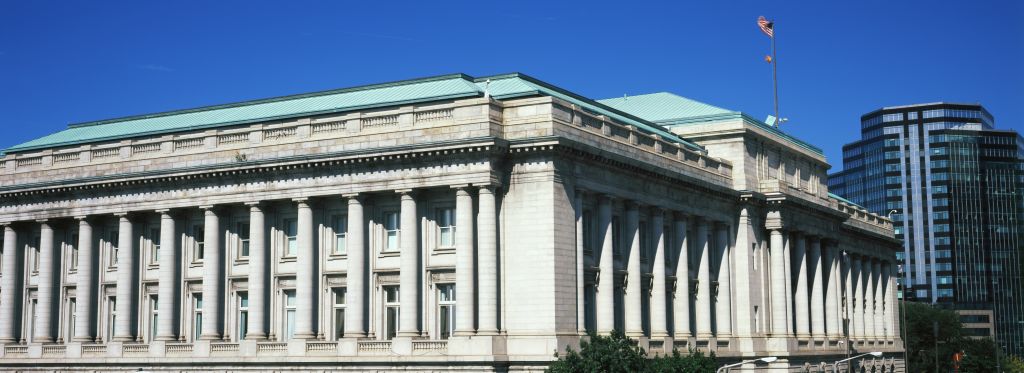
[{"x": 445, "y": 223}]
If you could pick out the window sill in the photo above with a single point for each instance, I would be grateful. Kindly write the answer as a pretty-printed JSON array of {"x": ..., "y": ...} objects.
[
  {"x": 153, "y": 266},
  {"x": 389, "y": 254},
  {"x": 287, "y": 259},
  {"x": 243, "y": 260},
  {"x": 444, "y": 250},
  {"x": 195, "y": 264},
  {"x": 337, "y": 256}
]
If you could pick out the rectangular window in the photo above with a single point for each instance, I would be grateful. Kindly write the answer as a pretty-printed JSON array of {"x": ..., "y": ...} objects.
[
  {"x": 291, "y": 234},
  {"x": 243, "y": 239},
  {"x": 112, "y": 249},
  {"x": 391, "y": 309},
  {"x": 197, "y": 316},
  {"x": 445, "y": 310},
  {"x": 446, "y": 225},
  {"x": 339, "y": 313},
  {"x": 154, "y": 245},
  {"x": 391, "y": 229},
  {"x": 69, "y": 331},
  {"x": 111, "y": 316},
  {"x": 198, "y": 248},
  {"x": 339, "y": 223},
  {"x": 243, "y": 315},
  {"x": 73, "y": 248},
  {"x": 35, "y": 254},
  {"x": 154, "y": 316},
  {"x": 289, "y": 315}
]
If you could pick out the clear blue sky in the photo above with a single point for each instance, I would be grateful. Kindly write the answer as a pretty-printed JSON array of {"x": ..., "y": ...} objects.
[{"x": 67, "y": 62}]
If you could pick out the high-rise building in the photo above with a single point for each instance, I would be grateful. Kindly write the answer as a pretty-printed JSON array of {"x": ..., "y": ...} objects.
[{"x": 953, "y": 186}]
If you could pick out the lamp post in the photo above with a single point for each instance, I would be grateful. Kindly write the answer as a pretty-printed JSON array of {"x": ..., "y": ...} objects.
[
  {"x": 768, "y": 359},
  {"x": 835, "y": 365}
]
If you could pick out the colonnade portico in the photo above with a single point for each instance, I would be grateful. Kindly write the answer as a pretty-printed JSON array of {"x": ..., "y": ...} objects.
[{"x": 475, "y": 247}]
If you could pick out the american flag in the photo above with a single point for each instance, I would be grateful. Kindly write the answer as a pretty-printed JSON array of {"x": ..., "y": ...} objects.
[{"x": 766, "y": 26}]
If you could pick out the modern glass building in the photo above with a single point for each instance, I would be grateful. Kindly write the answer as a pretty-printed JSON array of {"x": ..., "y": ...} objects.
[{"x": 954, "y": 187}]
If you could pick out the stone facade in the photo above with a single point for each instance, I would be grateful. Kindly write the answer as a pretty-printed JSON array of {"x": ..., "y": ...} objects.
[{"x": 476, "y": 233}]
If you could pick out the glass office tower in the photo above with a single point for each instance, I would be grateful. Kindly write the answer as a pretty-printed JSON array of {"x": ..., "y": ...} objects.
[{"x": 954, "y": 187}]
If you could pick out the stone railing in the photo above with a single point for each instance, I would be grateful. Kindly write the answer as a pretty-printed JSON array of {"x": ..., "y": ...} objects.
[
  {"x": 135, "y": 348},
  {"x": 54, "y": 350},
  {"x": 179, "y": 348},
  {"x": 94, "y": 350},
  {"x": 271, "y": 347},
  {"x": 322, "y": 347},
  {"x": 440, "y": 346},
  {"x": 14, "y": 351},
  {"x": 223, "y": 347},
  {"x": 375, "y": 346},
  {"x": 188, "y": 143}
]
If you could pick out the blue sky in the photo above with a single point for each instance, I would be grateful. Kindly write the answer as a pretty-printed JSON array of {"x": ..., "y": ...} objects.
[{"x": 68, "y": 62}]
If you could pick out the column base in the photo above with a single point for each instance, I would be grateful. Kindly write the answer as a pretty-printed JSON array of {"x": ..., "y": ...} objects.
[
  {"x": 203, "y": 337},
  {"x": 123, "y": 338},
  {"x": 42, "y": 340},
  {"x": 304, "y": 336},
  {"x": 255, "y": 337},
  {"x": 408, "y": 334},
  {"x": 165, "y": 338}
]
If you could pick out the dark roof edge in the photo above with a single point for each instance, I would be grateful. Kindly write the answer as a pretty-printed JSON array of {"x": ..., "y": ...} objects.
[{"x": 275, "y": 99}]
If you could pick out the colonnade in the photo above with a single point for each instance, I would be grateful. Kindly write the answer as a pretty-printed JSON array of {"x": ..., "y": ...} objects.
[{"x": 475, "y": 251}]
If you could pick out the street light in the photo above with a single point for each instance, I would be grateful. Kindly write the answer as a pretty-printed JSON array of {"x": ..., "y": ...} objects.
[
  {"x": 835, "y": 365},
  {"x": 763, "y": 359}
]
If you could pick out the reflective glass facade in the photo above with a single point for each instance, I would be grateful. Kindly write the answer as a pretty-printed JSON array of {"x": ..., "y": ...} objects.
[{"x": 954, "y": 188}]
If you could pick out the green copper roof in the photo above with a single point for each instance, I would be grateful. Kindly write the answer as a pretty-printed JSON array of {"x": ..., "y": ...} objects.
[
  {"x": 662, "y": 106},
  {"x": 428, "y": 89}
]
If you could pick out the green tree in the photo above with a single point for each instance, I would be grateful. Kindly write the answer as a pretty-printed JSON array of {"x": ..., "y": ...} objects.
[
  {"x": 1013, "y": 364},
  {"x": 617, "y": 353},
  {"x": 921, "y": 337},
  {"x": 979, "y": 355}
]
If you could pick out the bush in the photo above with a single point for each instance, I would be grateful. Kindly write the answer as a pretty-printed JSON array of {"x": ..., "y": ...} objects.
[{"x": 617, "y": 353}]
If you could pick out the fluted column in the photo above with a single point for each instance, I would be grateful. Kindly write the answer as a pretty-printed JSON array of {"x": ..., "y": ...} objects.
[
  {"x": 869, "y": 298},
  {"x": 723, "y": 304},
  {"x": 780, "y": 322},
  {"x": 487, "y": 259},
  {"x": 891, "y": 311},
  {"x": 832, "y": 314},
  {"x": 879, "y": 300},
  {"x": 212, "y": 274},
  {"x": 702, "y": 309},
  {"x": 465, "y": 288},
  {"x": 44, "y": 287},
  {"x": 305, "y": 273},
  {"x": 817, "y": 290},
  {"x": 632, "y": 306},
  {"x": 8, "y": 288},
  {"x": 84, "y": 292},
  {"x": 580, "y": 271},
  {"x": 256, "y": 329},
  {"x": 355, "y": 307},
  {"x": 659, "y": 311},
  {"x": 801, "y": 297},
  {"x": 858, "y": 298},
  {"x": 409, "y": 291},
  {"x": 681, "y": 299},
  {"x": 125, "y": 280},
  {"x": 168, "y": 279},
  {"x": 606, "y": 279}
]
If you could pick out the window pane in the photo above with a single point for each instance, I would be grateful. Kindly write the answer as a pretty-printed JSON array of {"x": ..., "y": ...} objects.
[{"x": 339, "y": 323}]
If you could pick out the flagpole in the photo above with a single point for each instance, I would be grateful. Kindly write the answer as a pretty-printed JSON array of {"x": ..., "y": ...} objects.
[{"x": 775, "y": 80}]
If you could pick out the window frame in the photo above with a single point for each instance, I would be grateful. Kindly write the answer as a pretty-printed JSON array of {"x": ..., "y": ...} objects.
[
  {"x": 390, "y": 230},
  {"x": 442, "y": 304},
  {"x": 339, "y": 229},
  {"x": 337, "y": 333},
  {"x": 446, "y": 229}
]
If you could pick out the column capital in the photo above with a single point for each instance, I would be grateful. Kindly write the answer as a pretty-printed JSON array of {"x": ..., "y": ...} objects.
[
  {"x": 207, "y": 207},
  {"x": 253, "y": 203},
  {"x": 121, "y": 214},
  {"x": 460, "y": 186},
  {"x": 301, "y": 200},
  {"x": 77, "y": 217},
  {"x": 406, "y": 192},
  {"x": 43, "y": 221},
  {"x": 351, "y": 196}
]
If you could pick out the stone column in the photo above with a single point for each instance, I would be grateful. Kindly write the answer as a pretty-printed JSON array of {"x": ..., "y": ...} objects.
[
  {"x": 45, "y": 284},
  {"x": 867, "y": 269},
  {"x": 858, "y": 298},
  {"x": 409, "y": 290},
  {"x": 606, "y": 276},
  {"x": 879, "y": 300},
  {"x": 780, "y": 322},
  {"x": 256, "y": 329},
  {"x": 702, "y": 309},
  {"x": 681, "y": 298},
  {"x": 801, "y": 296},
  {"x": 659, "y": 310},
  {"x": 634, "y": 277},
  {"x": 465, "y": 288},
  {"x": 168, "y": 279},
  {"x": 580, "y": 271},
  {"x": 817, "y": 291},
  {"x": 125, "y": 280},
  {"x": 832, "y": 314},
  {"x": 891, "y": 310},
  {"x": 305, "y": 271},
  {"x": 211, "y": 275},
  {"x": 355, "y": 307},
  {"x": 9, "y": 301},
  {"x": 723, "y": 304},
  {"x": 84, "y": 293},
  {"x": 487, "y": 259}
]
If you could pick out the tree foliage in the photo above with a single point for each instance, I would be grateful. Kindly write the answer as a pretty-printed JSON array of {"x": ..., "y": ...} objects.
[
  {"x": 617, "y": 353},
  {"x": 1013, "y": 364},
  {"x": 936, "y": 334}
]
